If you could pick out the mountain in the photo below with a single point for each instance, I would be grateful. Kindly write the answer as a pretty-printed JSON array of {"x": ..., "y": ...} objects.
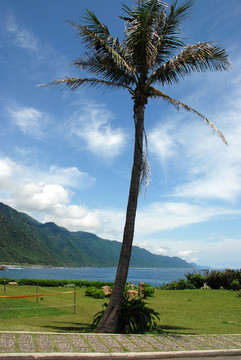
[
  {"x": 24, "y": 240},
  {"x": 201, "y": 267}
]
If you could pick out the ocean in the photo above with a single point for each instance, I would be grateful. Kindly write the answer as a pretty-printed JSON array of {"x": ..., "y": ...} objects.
[{"x": 154, "y": 277}]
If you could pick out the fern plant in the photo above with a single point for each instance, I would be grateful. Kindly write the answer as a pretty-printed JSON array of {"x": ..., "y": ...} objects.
[{"x": 135, "y": 317}]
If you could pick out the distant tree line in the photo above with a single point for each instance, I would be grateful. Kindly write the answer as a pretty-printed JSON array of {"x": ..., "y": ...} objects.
[
  {"x": 57, "y": 283},
  {"x": 227, "y": 279}
]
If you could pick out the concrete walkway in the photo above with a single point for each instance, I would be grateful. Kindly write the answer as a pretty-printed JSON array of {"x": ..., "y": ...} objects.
[{"x": 29, "y": 346}]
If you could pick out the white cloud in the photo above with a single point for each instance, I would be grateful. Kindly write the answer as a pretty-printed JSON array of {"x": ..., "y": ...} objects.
[
  {"x": 214, "y": 253},
  {"x": 161, "y": 251},
  {"x": 6, "y": 171},
  {"x": 39, "y": 196},
  {"x": 203, "y": 167},
  {"x": 207, "y": 169},
  {"x": 30, "y": 188},
  {"x": 112, "y": 223},
  {"x": 21, "y": 36},
  {"x": 171, "y": 215},
  {"x": 30, "y": 121},
  {"x": 187, "y": 255},
  {"x": 221, "y": 185},
  {"x": 153, "y": 245},
  {"x": 93, "y": 127},
  {"x": 74, "y": 217},
  {"x": 218, "y": 170},
  {"x": 45, "y": 195},
  {"x": 162, "y": 142},
  {"x": 107, "y": 224},
  {"x": 154, "y": 219},
  {"x": 71, "y": 177}
]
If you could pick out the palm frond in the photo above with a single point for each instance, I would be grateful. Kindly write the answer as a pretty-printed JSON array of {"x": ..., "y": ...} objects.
[
  {"x": 178, "y": 104},
  {"x": 169, "y": 29},
  {"x": 152, "y": 31},
  {"x": 107, "y": 48},
  {"x": 98, "y": 39},
  {"x": 108, "y": 69},
  {"x": 140, "y": 35},
  {"x": 193, "y": 58},
  {"x": 75, "y": 83},
  {"x": 96, "y": 27},
  {"x": 179, "y": 13}
]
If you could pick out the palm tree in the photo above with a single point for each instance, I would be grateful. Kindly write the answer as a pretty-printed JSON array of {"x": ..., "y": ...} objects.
[{"x": 152, "y": 53}]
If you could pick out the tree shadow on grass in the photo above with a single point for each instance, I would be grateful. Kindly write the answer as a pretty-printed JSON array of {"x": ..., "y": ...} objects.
[
  {"x": 172, "y": 330},
  {"x": 75, "y": 327},
  {"x": 59, "y": 326}
]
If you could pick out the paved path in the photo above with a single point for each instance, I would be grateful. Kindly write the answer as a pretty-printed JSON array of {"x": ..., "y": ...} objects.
[{"x": 103, "y": 346}]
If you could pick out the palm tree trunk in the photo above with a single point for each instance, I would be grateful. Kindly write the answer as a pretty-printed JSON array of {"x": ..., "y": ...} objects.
[{"x": 110, "y": 319}]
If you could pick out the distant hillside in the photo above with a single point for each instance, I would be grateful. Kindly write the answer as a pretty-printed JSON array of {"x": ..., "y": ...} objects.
[{"x": 26, "y": 241}]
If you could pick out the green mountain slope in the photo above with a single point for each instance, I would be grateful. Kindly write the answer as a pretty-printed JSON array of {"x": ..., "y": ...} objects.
[{"x": 26, "y": 241}]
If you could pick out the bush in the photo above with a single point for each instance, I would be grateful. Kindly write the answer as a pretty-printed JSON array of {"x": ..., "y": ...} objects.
[
  {"x": 69, "y": 285},
  {"x": 135, "y": 317},
  {"x": 195, "y": 279},
  {"x": 227, "y": 279},
  {"x": 95, "y": 292},
  {"x": 178, "y": 285},
  {"x": 40, "y": 282},
  {"x": 57, "y": 283},
  {"x": 6, "y": 280},
  {"x": 235, "y": 285},
  {"x": 99, "y": 294},
  {"x": 206, "y": 287},
  {"x": 215, "y": 279},
  {"x": 148, "y": 291},
  {"x": 231, "y": 276}
]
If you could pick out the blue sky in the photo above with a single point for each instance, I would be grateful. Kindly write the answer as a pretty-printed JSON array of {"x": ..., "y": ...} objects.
[{"x": 66, "y": 156}]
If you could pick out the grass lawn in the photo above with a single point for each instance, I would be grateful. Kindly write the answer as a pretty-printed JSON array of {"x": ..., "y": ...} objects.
[
  {"x": 198, "y": 311},
  {"x": 181, "y": 311}
]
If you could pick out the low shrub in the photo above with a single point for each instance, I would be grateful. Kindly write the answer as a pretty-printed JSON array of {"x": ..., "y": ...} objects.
[
  {"x": 70, "y": 286},
  {"x": 178, "y": 285},
  {"x": 131, "y": 286},
  {"x": 6, "y": 280},
  {"x": 235, "y": 285},
  {"x": 148, "y": 291},
  {"x": 42, "y": 282},
  {"x": 206, "y": 287},
  {"x": 57, "y": 283},
  {"x": 95, "y": 292}
]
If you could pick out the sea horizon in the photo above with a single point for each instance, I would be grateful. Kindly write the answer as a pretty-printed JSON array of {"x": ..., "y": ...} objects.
[{"x": 152, "y": 276}]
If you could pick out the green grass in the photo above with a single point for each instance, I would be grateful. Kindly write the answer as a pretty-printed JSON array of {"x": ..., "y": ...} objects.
[
  {"x": 198, "y": 311},
  {"x": 181, "y": 311},
  {"x": 21, "y": 309}
]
